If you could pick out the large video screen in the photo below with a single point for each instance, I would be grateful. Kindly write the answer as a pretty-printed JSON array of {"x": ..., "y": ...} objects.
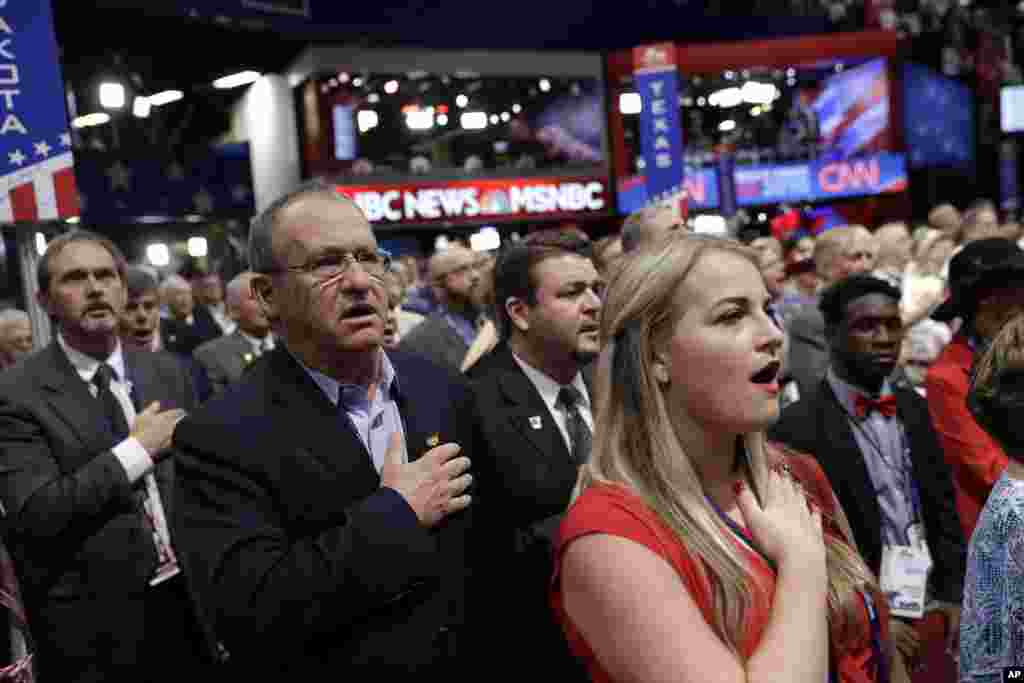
[
  {"x": 809, "y": 132},
  {"x": 938, "y": 119}
]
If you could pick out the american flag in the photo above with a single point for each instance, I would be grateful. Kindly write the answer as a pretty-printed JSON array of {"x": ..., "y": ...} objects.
[
  {"x": 37, "y": 181},
  {"x": 43, "y": 191}
]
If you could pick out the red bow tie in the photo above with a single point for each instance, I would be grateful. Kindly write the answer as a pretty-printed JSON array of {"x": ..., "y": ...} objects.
[{"x": 886, "y": 405}]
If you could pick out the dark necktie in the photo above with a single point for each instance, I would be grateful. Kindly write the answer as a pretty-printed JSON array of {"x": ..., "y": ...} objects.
[
  {"x": 885, "y": 405},
  {"x": 569, "y": 398},
  {"x": 111, "y": 406}
]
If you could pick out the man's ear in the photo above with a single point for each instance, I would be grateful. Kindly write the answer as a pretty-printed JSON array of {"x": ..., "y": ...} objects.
[
  {"x": 517, "y": 310},
  {"x": 263, "y": 291}
]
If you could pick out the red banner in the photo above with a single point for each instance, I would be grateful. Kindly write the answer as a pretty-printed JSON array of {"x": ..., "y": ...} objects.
[{"x": 473, "y": 201}]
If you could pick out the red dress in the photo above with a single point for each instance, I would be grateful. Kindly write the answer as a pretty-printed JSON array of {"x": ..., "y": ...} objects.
[
  {"x": 974, "y": 457},
  {"x": 614, "y": 510}
]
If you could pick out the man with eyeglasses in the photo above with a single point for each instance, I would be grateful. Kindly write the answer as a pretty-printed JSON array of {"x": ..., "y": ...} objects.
[
  {"x": 325, "y": 496},
  {"x": 448, "y": 333}
]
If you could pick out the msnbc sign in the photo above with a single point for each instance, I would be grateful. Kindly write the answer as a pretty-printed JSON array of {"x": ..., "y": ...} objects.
[{"x": 464, "y": 201}]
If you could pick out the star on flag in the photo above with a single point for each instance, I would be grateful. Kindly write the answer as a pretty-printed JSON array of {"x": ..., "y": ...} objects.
[
  {"x": 16, "y": 157},
  {"x": 120, "y": 176},
  {"x": 42, "y": 149}
]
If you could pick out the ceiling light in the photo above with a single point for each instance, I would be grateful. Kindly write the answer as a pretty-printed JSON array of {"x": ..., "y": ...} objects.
[
  {"x": 729, "y": 75},
  {"x": 242, "y": 78},
  {"x": 516, "y": 108},
  {"x": 357, "y": 82},
  {"x": 727, "y": 125},
  {"x": 726, "y": 98},
  {"x": 544, "y": 85},
  {"x": 473, "y": 120},
  {"x": 158, "y": 254},
  {"x": 165, "y": 97},
  {"x": 197, "y": 247},
  {"x": 791, "y": 72},
  {"x": 754, "y": 92},
  {"x": 755, "y": 111},
  {"x": 506, "y": 117},
  {"x": 367, "y": 119},
  {"x": 461, "y": 101},
  {"x": 141, "y": 107},
  {"x": 333, "y": 82},
  {"x": 494, "y": 119},
  {"x": 343, "y": 77},
  {"x": 420, "y": 119},
  {"x": 630, "y": 103},
  {"x": 111, "y": 95},
  {"x": 373, "y": 98},
  {"x": 701, "y": 101},
  {"x": 762, "y": 216},
  {"x": 97, "y": 119},
  {"x": 442, "y": 119},
  {"x": 391, "y": 87}
]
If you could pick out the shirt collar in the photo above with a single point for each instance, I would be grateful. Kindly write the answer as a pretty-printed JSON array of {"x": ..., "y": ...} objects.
[
  {"x": 257, "y": 344},
  {"x": 847, "y": 393},
  {"x": 334, "y": 390},
  {"x": 86, "y": 366},
  {"x": 547, "y": 387}
]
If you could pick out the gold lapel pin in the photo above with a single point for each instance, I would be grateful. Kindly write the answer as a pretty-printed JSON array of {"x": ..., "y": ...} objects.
[{"x": 433, "y": 440}]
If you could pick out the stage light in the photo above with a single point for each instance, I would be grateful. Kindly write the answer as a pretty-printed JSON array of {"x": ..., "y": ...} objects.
[
  {"x": 111, "y": 95},
  {"x": 241, "y": 78}
]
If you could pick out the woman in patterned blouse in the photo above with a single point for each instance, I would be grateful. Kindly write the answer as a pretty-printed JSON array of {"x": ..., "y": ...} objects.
[{"x": 992, "y": 624}]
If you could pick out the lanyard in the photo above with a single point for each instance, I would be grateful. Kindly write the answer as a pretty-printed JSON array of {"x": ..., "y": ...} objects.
[
  {"x": 873, "y": 618},
  {"x": 741, "y": 533}
]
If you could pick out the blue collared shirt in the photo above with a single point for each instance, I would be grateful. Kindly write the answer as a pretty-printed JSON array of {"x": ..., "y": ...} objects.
[
  {"x": 883, "y": 443},
  {"x": 373, "y": 421}
]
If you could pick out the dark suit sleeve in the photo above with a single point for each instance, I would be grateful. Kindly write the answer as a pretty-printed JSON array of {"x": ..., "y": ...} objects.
[
  {"x": 264, "y": 583},
  {"x": 44, "y": 504},
  {"x": 807, "y": 357},
  {"x": 792, "y": 427},
  {"x": 944, "y": 532}
]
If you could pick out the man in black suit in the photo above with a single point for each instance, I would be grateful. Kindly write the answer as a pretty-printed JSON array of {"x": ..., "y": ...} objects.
[
  {"x": 188, "y": 325},
  {"x": 876, "y": 444},
  {"x": 535, "y": 409},
  {"x": 86, "y": 481},
  {"x": 325, "y": 495}
]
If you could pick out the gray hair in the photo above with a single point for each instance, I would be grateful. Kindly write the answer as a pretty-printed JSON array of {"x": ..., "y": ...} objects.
[
  {"x": 176, "y": 283},
  {"x": 13, "y": 315},
  {"x": 261, "y": 230}
]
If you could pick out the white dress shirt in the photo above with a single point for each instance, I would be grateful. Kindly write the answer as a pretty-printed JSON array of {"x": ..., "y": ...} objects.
[
  {"x": 548, "y": 390},
  {"x": 130, "y": 453},
  {"x": 220, "y": 316},
  {"x": 259, "y": 346}
]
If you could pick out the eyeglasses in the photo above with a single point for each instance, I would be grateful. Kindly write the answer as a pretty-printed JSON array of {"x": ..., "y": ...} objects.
[{"x": 332, "y": 264}]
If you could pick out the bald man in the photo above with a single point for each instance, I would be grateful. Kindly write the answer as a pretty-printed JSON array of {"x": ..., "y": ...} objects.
[
  {"x": 226, "y": 358},
  {"x": 446, "y": 335}
]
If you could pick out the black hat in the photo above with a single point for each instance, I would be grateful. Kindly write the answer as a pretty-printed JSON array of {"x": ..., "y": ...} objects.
[{"x": 980, "y": 266}]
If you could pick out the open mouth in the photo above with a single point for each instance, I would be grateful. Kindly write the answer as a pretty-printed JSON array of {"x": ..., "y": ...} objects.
[
  {"x": 767, "y": 374},
  {"x": 359, "y": 311}
]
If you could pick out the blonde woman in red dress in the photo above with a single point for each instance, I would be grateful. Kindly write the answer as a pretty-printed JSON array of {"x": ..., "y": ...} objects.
[{"x": 694, "y": 551}]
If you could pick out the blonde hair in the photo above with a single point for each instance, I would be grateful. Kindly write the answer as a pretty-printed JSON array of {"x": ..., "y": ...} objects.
[
  {"x": 830, "y": 244},
  {"x": 636, "y": 445}
]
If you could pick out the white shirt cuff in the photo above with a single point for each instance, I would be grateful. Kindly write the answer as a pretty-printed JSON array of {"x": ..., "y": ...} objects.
[{"x": 134, "y": 458}]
